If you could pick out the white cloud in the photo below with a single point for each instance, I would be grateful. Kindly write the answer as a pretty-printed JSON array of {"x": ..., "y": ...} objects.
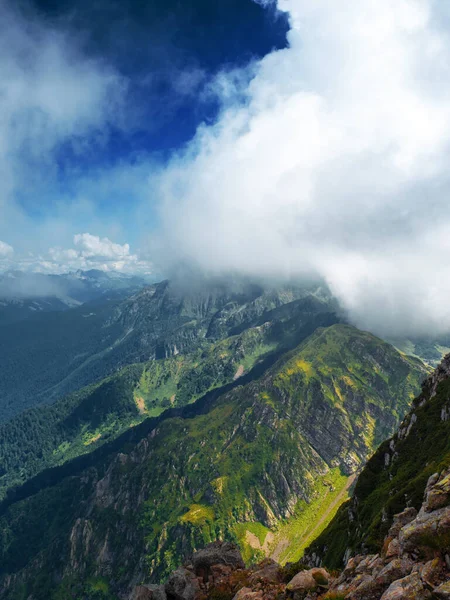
[
  {"x": 6, "y": 250},
  {"x": 88, "y": 252},
  {"x": 91, "y": 246},
  {"x": 337, "y": 162},
  {"x": 92, "y": 252}
]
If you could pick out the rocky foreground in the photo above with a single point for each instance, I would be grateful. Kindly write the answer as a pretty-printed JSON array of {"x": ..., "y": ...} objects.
[{"x": 414, "y": 564}]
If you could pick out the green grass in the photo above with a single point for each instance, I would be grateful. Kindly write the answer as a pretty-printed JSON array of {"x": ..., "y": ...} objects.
[
  {"x": 303, "y": 527},
  {"x": 198, "y": 515},
  {"x": 249, "y": 553}
]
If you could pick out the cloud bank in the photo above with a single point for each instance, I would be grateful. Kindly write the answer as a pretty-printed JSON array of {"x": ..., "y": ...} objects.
[
  {"x": 88, "y": 252},
  {"x": 334, "y": 160}
]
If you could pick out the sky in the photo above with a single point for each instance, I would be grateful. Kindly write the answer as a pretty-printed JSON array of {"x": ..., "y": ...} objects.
[{"x": 270, "y": 139}]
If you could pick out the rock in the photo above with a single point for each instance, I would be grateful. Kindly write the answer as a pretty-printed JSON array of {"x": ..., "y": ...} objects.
[
  {"x": 220, "y": 574},
  {"x": 429, "y": 531},
  {"x": 393, "y": 549},
  {"x": 217, "y": 553},
  {"x": 400, "y": 520},
  {"x": 408, "y": 588},
  {"x": 437, "y": 494},
  {"x": 443, "y": 591},
  {"x": 368, "y": 563},
  {"x": 149, "y": 592},
  {"x": 268, "y": 571},
  {"x": 431, "y": 571},
  {"x": 248, "y": 594},
  {"x": 369, "y": 589},
  {"x": 181, "y": 585},
  {"x": 396, "y": 569},
  {"x": 301, "y": 584},
  {"x": 321, "y": 576}
]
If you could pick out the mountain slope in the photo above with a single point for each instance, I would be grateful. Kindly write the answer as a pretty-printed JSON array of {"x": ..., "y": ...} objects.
[
  {"x": 62, "y": 352},
  {"x": 244, "y": 464},
  {"x": 46, "y": 436},
  {"x": 395, "y": 476}
]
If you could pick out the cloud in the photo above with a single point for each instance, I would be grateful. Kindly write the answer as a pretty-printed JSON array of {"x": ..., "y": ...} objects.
[
  {"x": 92, "y": 252},
  {"x": 54, "y": 100},
  {"x": 333, "y": 159},
  {"x": 5, "y": 250}
]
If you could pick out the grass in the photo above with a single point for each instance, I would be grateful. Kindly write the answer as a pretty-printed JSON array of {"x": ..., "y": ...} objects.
[
  {"x": 250, "y": 553},
  {"x": 198, "y": 515},
  {"x": 306, "y": 524}
]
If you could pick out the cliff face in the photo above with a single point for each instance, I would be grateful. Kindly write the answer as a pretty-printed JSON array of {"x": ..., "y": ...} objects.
[
  {"x": 395, "y": 477},
  {"x": 237, "y": 470}
]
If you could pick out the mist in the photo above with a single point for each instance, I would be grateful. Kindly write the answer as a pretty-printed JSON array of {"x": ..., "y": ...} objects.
[{"x": 329, "y": 158}]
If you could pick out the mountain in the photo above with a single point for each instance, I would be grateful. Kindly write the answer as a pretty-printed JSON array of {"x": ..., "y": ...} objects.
[
  {"x": 412, "y": 565},
  {"x": 23, "y": 295},
  {"x": 61, "y": 352},
  {"x": 395, "y": 477},
  {"x": 242, "y": 463},
  {"x": 79, "y": 423}
]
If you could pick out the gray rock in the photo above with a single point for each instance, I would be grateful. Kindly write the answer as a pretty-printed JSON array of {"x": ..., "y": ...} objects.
[
  {"x": 181, "y": 585},
  {"x": 217, "y": 553}
]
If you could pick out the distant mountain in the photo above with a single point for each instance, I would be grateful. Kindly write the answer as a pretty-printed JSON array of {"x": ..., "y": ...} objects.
[
  {"x": 22, "y": 295},
  {"x": 52, "y": 354},
  {"x": 253, "y": 463}
]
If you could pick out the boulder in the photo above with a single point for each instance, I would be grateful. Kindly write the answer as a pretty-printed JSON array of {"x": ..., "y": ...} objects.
[
  {"x": 217, "y": 553},
  {"x": 429, "y": 532},
  {"x": 267, "y": 571},
  {"x": 408, "y": 588},
  {"x": 396, "y": 569},
  {"x": 400, "y": 520},
  {"x": 437, "y": 495},
  {"x": 301, "y": 584},
  {"x": 443, "y": 591},
  {"x": 431, "y": 572},
  {"x": 368, "y": 589},
  {"x": 369, "y": 563},
  {"x": 149, "y": 592},
  {"x": 321, "y": 576},
  {"x": 393, "y": 549},
  {"x": 181, "y": 585},
  {"x": 248, "y": 594}
]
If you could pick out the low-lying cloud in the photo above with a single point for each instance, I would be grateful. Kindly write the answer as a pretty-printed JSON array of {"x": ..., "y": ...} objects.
[{"x": 334, "y": 159}]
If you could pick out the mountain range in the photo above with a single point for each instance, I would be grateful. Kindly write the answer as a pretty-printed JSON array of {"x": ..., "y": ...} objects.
[{"x": 152, "y": 424}]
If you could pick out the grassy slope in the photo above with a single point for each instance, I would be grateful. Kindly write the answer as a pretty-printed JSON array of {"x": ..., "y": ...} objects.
[{"x": 382, "y": 490}]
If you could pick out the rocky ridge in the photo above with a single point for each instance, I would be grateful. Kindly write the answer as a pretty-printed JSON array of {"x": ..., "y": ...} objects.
[{"x": 414, "y": 564}]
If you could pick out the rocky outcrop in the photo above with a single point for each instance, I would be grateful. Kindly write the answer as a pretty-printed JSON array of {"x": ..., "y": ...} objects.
[{"x": 413, "y": 565}]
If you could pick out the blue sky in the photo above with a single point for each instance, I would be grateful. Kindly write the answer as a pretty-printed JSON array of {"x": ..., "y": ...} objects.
[{"x": 141, "y": 78}]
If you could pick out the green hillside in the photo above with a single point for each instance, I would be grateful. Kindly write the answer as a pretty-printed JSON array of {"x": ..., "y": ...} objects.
[
  {"x": 395, "y": 476},
  {"x": 50, "y": 435},
  {"x": 250, "y": 464}
]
